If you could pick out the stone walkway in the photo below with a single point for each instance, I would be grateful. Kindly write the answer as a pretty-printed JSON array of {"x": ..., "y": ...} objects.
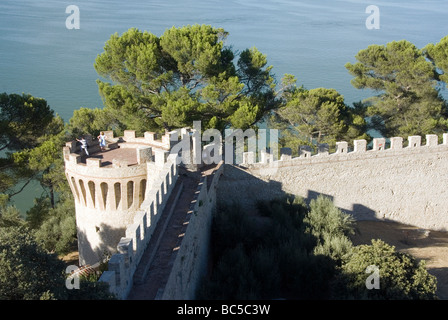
[{"x": 158, "y": 259}]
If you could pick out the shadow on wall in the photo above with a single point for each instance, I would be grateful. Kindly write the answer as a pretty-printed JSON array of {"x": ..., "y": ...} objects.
[
  {"x": 238, "y": 186},
  {"x": 106, "y": 234},
  {"x": 313, "y": 195},
  {"x": 359, "y": 211}
]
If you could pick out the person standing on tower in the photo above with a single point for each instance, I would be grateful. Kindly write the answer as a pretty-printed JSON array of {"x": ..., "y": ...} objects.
[
  {"x": 102, "y": 139},
  {"x": 83, "y": 145}
]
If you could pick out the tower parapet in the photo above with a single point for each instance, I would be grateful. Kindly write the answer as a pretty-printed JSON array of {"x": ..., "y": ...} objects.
[{"x": 110, "y": 186}]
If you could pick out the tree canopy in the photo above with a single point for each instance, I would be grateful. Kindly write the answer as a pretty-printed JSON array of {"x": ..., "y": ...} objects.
[
  {"x": 408, "y": 101},
  {"x": 438, "y": 54},
  {"x": 305, "y": 252},
  {"x": 35, "y": 154},
  {"x": 317, "y": 116},
  {"x": 23, "y": 119},
  {"x": 27, "y": 272},
  {"x": 186, "y": 74}
]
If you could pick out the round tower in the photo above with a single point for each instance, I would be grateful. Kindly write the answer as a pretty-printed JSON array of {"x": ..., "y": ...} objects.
[{"x": 108, "y": 187}]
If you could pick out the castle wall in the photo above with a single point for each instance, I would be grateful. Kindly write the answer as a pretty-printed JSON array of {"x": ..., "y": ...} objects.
[{"x": 403, "y": 184}]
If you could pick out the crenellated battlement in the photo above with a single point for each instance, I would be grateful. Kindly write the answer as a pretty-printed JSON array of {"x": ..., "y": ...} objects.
[
  {"x": 143, "y": 147},
  {"x": 381, "y": 147},
  {"x": 116, "y": 178}
]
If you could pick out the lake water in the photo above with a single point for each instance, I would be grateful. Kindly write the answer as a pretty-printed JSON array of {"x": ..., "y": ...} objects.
[{"x": 310, "y": 39}]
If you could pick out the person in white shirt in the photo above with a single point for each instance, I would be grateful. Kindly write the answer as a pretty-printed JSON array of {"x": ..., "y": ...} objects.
[{"x": 83, "y": 145}]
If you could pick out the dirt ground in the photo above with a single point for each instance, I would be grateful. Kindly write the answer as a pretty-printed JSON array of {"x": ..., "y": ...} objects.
[
  {"x": 431, "y": 246},
  {"x": 71, "y": 258}
]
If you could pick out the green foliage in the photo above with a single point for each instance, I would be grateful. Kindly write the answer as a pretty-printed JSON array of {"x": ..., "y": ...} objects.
[
  {"x": 186, "y": 74},
  {"x": 91, "y": 121},
  {"x": 408, "y": 101},
  {"x": 35, "y": 157},
  {"x": 57, "y": 229},
  {"x": 438, "y": 54},
  {"x": 10, "y": 216},
  {"x": 298, "y": 251},
  {"x": 27, "y": 272},
  {"x": 53, "y": 215},
  {"x": 40, "y": 158},
  {"x": 317, "y": 116},
  {"x": 331, "y": 227},
  {"x": 230, "y": 227},
  {"x": 38, "y": 213},
  {"x": 160, "y": 83},
  {"x": 41, "y": 164},
  {"x": 269, "y": 256},
  {"x": 91, "y": 290},
  {"x": 23, "y": 120},
  {"x": 401, "y": 275}
]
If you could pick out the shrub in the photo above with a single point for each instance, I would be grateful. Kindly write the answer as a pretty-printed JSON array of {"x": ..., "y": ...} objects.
[
  {"x": 325, "y": 218},
  {"x": 401, "y": 276},
  {"x": 233, "y": 278},
  {"x": 230, "y": 227},
  {"x": 331, "y": 227}
]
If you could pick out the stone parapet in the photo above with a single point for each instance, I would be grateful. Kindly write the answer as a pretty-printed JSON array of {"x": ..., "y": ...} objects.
[{"x": 380, "y": 148}]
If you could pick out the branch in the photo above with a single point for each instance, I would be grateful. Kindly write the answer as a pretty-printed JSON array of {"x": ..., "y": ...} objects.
[
  {"x": 5, "y": 146},
  {"x": 23, "y": 187}
]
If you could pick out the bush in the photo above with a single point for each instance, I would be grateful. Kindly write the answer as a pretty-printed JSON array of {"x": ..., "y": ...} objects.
[
  {"x": 230, "y": 227},
  {"x": 270, "y": 263},
  {"x": 325, "y": 218},
  {"x": 331, "y": 227},
  {"x": 401, "y": 276}
]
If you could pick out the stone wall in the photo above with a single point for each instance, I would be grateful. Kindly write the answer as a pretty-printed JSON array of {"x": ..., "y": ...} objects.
[{"x": 405, "y": 184}]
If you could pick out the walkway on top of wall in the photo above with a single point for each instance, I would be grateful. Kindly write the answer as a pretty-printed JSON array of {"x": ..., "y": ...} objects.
[{"x": 156, "y": 263}]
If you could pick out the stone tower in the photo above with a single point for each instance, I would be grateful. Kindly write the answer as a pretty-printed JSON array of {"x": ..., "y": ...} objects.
[{"x": 109, "y": 187}]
